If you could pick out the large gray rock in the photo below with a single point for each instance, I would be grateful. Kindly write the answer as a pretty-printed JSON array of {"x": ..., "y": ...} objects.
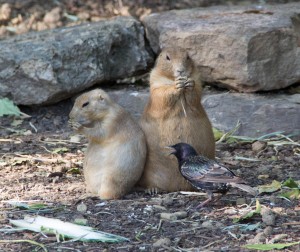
[
  {"x": 245, "y": 49},
  {"x": 258, "y": 114},
  {"x": 45, "y": 67}
]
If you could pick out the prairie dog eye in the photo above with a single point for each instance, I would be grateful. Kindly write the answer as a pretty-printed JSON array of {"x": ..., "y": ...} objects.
[
  {"x": 85, "y": 104},
  {"x": 167, "y": 57}
]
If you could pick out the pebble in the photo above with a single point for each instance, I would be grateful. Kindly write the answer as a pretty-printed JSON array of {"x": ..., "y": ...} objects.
[
  {"x": 259, "y": 238},
  {"x": 167, "y": 201},
  {"x": 208, "y": 225},
  {"x": 268, "y": 217},
  {"x": 168, "y": 216},
  {"x": 5, "y": 11},
  {"x": 268, "y": 231},
  {"x": 159, "y": 208},
  {"x": 174, "y": 216},
  {"x": 81, "y": 207},
  {"x": 162, "y": 242},
  {"x": 258, "y": 146},
  {"x": 263, "y": 176},
  {"x": 81, "y": 221},
  {"x": 53, "y": 16}
]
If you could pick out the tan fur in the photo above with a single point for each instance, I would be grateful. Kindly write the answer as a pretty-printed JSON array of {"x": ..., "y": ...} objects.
[
  {"x": 173, "y": 114},
  {"x": 116, "y": 152}
]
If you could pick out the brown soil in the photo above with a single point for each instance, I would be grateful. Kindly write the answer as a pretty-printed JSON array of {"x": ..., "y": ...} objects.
[
  {"x": 32, "y": 171},
  {"x": 40, "y": 163}
]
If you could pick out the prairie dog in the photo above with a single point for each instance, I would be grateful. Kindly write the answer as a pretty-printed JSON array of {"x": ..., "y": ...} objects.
[
  {"x": 116, "y": 152},
  {"x": 173, "y": 114}
]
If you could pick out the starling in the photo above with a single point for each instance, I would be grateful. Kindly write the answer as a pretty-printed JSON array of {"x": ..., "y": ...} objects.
[{"x": 206, "y": 174}]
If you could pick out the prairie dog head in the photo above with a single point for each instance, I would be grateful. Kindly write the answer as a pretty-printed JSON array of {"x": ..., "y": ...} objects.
[
  {"x": 174, "y": 63},
  {"x": 89, "y": 108}
]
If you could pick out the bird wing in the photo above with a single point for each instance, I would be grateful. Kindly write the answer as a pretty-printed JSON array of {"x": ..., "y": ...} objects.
[{"x": 201, "y": 169}]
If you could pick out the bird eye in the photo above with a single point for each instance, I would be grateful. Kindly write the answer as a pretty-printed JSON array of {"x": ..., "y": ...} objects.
[
  {"x": 85, "y": 104},
  {"x": 167, "y": 57}
]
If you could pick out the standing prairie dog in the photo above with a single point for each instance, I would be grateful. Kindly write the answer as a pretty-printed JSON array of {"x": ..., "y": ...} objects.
[
  {"x": 173, "y": 114},
  {"x": 116, "y": 152}
]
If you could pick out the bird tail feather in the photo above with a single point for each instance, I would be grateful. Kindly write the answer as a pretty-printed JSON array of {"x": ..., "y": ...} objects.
[{"x": 245, "y": 188}]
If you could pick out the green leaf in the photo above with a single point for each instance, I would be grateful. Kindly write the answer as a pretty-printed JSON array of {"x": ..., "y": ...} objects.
[
  {"x": 35, "y": 206},
  {"x": 249, "y": 214},
  {"x": 274, "y": 186},
  {"x": 7, "y": 107},
  {"x": 74, "y": 171},
  {"x": 244, "y": 227},
  {"x": 217, "y": 134},
  {"x": 290, "y": 183},
  {"x": 270, "y": 246},
  {"x": 291, "y": 194}
]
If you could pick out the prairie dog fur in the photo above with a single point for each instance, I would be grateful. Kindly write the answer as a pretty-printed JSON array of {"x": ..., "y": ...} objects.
[
  {"x": 173, "y": 114},
  {"x": 116, "y": 152}
]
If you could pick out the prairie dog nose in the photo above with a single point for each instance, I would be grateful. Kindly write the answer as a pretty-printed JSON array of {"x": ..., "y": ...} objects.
[{"x": 180, "y": 72}]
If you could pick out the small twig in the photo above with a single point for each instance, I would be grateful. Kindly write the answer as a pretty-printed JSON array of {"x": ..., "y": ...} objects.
[
  {"x": 291, "y": 223},
  {"x": 46, "y": 149},
  {"x": 208, "y": 245},
  {"x": 32, "y": 126},
  {"x": 103, "y": 213},
  {"x": 232, "y": 234},
  {"x": 67, "y": 248},
  {"x": 159, "y": 225}
]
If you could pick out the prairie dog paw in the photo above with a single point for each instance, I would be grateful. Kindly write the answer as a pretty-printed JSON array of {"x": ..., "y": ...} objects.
[
  {"x": 189, "y": 83},
  {"x": 152, "y": 191},
  {"x": 180, "y": 82},
  {"x": 74, "y": 125}
]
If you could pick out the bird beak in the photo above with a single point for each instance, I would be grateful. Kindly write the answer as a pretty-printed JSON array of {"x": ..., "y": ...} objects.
[{"x": 170, "y": 148}]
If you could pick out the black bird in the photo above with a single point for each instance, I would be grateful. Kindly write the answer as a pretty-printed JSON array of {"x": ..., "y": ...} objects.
[{"x": 206, "y": 174}]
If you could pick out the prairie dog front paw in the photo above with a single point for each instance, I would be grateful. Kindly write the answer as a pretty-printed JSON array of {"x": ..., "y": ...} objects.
[
  {"x": 189, "y": 83},
  {"x": 180, "y": 82},
  {"x": 75, "y": 125}
]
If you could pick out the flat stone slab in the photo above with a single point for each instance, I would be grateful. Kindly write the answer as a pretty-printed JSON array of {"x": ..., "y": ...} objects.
[
  {"x": 258, "y": 114},
  {"x": 241, "y": 48},
  {"x": 49, "y": 66}
]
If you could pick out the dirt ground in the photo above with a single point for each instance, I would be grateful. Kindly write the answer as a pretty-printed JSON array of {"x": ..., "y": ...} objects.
[{"x": 41, "y": 162}]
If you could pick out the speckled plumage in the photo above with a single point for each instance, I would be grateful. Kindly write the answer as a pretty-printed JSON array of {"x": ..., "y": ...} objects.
[{"x": 206, "y": 174}]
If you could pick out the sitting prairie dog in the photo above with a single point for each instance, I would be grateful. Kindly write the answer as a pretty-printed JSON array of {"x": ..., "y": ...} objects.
[
  {"x": 116, "y": 152},
  {"x": 173, "y": 114}
]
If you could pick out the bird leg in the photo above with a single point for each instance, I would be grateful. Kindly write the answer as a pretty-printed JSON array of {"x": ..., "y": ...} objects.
[
  {"x": 211, "y": 198},
  {"x": 205, "y": 202}
]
